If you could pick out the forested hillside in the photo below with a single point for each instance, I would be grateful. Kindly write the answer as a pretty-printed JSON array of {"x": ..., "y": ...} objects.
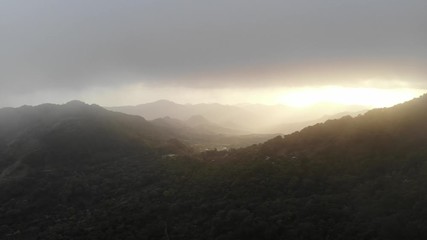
[{"x": 351, "y": 178}]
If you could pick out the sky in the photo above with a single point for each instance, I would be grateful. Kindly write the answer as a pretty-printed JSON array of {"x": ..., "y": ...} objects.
[{"x": 293, "y": 52}]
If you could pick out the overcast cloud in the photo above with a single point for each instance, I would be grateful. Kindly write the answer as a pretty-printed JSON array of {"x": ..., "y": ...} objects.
[{"x": 75, "y": 45}]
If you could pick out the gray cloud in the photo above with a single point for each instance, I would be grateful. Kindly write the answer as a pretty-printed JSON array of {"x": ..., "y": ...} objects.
[{"x": 78, "y": 44}]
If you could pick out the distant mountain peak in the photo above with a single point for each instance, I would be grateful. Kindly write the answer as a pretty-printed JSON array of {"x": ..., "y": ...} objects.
[
  {"x": 76, "y": 103},
  {"x": 164, "y": 101}
]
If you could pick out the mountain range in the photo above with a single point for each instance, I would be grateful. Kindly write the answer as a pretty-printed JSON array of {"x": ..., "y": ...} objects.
[
  {"x": 78, "y": 171},
  {"x": 243, "y": 118}
]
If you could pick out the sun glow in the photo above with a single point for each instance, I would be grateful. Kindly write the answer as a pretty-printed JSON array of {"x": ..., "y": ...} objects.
[
  {"x": 372, "y": 97},
  {"x": 298, "y": 97}
]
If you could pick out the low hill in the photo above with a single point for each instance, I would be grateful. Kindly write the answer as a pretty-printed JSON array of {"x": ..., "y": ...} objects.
[{"x": 70, "y": 132}]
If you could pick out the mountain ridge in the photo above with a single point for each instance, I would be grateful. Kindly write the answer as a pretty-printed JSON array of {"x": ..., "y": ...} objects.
[
  {"x": 351, "y": 178},
  {"x": 251, "y": 118}
]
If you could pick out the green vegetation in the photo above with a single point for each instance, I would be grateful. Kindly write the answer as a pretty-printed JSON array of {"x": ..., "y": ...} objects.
[{"x": 352, "y": 178}]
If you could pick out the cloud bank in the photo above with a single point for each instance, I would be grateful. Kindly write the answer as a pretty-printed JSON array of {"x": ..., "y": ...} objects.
[{"x": 75, "y": 45}]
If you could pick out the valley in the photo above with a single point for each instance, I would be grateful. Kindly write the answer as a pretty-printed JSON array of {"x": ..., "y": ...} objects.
[{"x": 79, "y": 171}]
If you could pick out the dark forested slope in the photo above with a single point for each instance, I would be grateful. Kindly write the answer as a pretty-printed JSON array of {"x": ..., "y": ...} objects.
[
  {"x": 57, "y": 161},
  {"x": 351, "y": 178}
]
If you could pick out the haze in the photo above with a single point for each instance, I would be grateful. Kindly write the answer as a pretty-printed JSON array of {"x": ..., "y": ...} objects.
[{"x": 297, "y": 53}]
